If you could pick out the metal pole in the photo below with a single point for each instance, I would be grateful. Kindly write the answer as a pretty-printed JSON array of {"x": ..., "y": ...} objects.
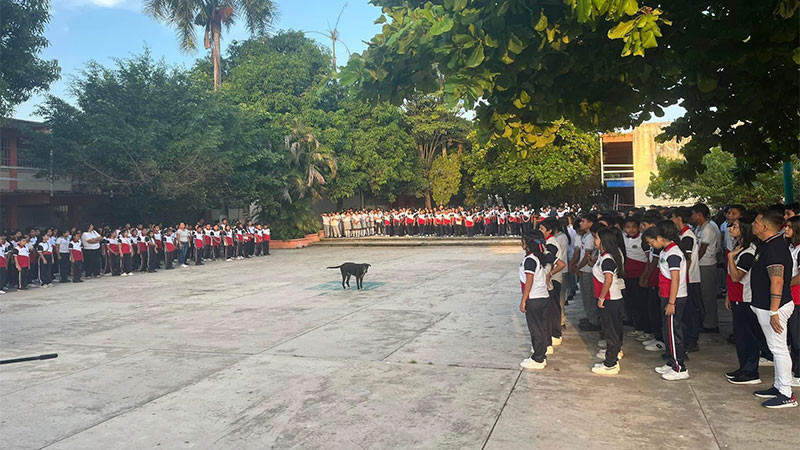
[{"x": 788, "y": 184}]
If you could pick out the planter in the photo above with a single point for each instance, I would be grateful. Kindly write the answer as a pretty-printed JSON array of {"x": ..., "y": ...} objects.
[
  {"x": 290, "y": 244},
  {"x": 313, "y": 237},
  {"x": 321, "y": 234}
]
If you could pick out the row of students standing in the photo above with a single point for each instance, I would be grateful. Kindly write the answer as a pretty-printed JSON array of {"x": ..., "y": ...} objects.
[
  {"x": 648, "y": 271},
  {"x": 38, "y": 259}
]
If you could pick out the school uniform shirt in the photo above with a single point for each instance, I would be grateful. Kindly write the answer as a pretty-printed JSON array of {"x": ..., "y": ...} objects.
[
  {"x": 266, "y": 234},
  {"x": 794, "y": 250},
  {"x": 606, "y": 264},
  {"x": 23, "y": 255},
  {"x": 4, "y": 247},
  {"x": 587, "y": 247},
  {"x": 531, "y": 265},
  {"x": 671, "y": 258},
  {"x": 90, "y": 235},
  {"x": 45, "y": 248},
  {"x": 635, "y": 257},
  {"x": 709, "y": 234},
  {"x": 770, "y": 253},
  {"x": 113, "y": 245},
  {"x": 740, "y": 291},
  {"x": 216, "y": 238},
  {"x": 76, "y": 249},
  {"x": 691, "y": 247},
  {"x": 125, "y": 246},
  {"x": 158, "y": 239},
  {"x": 228, "y": 238},
  {"x": 62, "y": 244},
  {"x": 198, "y": 239},
  {"x": 206, "y": 237},
  {"x": 169, "y": 243}
]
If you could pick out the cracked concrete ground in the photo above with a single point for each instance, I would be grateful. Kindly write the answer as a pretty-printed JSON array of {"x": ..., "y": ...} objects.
[{"x": 264, "y": 354}]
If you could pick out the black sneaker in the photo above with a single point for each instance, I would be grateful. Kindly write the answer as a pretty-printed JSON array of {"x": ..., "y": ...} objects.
[
  {"x": 780, "y": 401},
  {"x": 745, "y": 379},
  {"x": 767, "y": 393},
  {"x": 733, "y": 374}
]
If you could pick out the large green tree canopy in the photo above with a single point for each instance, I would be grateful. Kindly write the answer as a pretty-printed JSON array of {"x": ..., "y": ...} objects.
[
  {"x": 602, "y": 64},
  {"x": 22, "y": 72}
]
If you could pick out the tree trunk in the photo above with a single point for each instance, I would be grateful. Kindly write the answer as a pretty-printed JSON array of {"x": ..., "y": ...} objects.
[
  {"x": 428, "y": 201},
  {"x": 216, "y": 30}
]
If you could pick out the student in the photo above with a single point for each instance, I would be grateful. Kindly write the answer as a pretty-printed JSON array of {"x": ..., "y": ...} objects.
[
  {"x": 126, "y": 250},
  {"x": 142, "y": 249},
  {"x": 549, "y": 228},
  {"x": 152, "y": 252},
  {"x": 198, "y": 246},
  {"x": 4, "y": 248},
  {"x": 772, "y": 303},
  {"x": 169, "y": 249},
  {"x": 114, "y": 254},
  {"x": 45, "y": 256},
  {"x": 22, "y": 261},
  {"x": 634, "y": 295},
  {"x": 690, "y": 244},
  {"x": 216, "y": 242},
  {"x": 607, "y": 273},
  {"x": 228, "y": 243},
  {"x": 672, "y": 290},
  {"x": 792, "y": 233},
  {"x": 584, "y": 267},
  {"x": 64, "y": 266},
  {"x": 267, "y": 234},
  {"x": 747, "y": 333},
  {"x": 654, "y": 341},
  {"x": 76, "y": 257},
  {"x": 708, "y": 233},
  {"x": 535, "y": 298}
]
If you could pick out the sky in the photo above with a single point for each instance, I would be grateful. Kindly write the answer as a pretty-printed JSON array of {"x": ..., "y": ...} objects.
[{"x": 102, "y": 30}]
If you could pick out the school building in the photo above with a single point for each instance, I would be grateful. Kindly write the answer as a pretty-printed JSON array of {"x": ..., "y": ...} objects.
[
  {"x": 629, "y": 158},
  {"x": 28, "y": 197}
]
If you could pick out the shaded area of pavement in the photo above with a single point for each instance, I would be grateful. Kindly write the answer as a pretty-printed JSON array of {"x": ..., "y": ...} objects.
[{"x": 272, "y": 353}]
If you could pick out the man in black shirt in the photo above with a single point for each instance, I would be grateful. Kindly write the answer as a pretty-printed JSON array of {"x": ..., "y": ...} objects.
[{"x": 772, "y": 303}]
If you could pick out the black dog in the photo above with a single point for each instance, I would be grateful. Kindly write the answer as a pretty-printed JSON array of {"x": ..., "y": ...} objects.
[{"x": 356, "y": 270}]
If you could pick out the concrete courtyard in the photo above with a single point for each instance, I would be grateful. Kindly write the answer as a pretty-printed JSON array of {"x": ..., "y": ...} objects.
[{"x": 272, "y": 353}]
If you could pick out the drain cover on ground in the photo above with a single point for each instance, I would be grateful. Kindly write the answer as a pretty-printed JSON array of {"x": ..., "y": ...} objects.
[{"x": 337, "y": 285}]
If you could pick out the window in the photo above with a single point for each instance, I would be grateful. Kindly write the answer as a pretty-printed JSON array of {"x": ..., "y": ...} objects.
[
  {"x": 23, "y": 159},
  {"x": 5, "y": 151}
]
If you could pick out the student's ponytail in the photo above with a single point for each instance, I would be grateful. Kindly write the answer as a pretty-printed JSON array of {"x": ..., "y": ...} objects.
[{"x": 534, "y": 242}]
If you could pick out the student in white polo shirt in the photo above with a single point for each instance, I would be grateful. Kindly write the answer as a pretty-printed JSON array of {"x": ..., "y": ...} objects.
[
  {"x": 535, "y": 298},
  {"x": 709, "y": 235},
  {"x": 690, "y": 244},
  {"x": 607, "y": 273},
  {"x": 64, "y": 268},
  {"x": 672, "y": 289}
]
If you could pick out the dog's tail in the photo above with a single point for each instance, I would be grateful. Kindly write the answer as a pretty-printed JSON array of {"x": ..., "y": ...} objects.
[{"x": 334, "y": 267}]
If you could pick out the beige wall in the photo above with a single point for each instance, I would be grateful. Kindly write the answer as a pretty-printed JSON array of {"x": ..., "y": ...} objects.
[{"x": 645, "y": 151}]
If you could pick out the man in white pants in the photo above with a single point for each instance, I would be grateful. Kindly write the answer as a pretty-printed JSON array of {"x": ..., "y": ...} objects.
[{"x": 772, "y": 303}]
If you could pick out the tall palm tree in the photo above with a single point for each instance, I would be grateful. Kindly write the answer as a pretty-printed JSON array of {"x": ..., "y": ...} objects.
[
  {"x": 184, "y": 15},
  {"x": 310, "y": 164}
]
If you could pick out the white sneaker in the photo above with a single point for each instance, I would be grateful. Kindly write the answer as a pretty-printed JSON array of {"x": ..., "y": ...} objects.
[
  {"x": 528, "y": 363},
  {"x": 657, "y": 347},
  {"x": 229, "y": 259},
  {"x": 601, "y": 369},
  {"x": 184, "y": 265},
  {"x": 557, "y": 341},
  {"x": 663, "y": 369},
  {"x": 794, "y": 383},
  {"x": 124, "y": 275},
  {"x": 649, "y": 342},
  {"x": 634, "y": 333},
  {"x": 645, "y": 337},
  {"x": 550, "y": 350},
  {"x": 602, "y": 343},
  {"x": 602, "y": 354},
  {"x": 764, "y": 362},
  {"x": 675, "y": 376},
  {"x": 2, "y": 292}
]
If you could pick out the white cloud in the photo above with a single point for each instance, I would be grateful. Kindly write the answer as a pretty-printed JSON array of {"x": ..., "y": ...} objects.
[
  {"x": 107, "y": 3},
  {"x": 124, "y": 4}
]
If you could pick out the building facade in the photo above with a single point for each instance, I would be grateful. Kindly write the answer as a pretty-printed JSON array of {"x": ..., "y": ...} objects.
[{"x": 629, "y": 159}]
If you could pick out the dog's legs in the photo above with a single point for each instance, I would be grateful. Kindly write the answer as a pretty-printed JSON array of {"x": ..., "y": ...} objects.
[
  {"x": 343, "y": 277},
  {"x": 348, "y": 280}
]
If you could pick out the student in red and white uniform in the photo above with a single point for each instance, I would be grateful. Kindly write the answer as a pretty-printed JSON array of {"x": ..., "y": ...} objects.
[
  {"x": 45, "y": 256},
  {"x": 159, "y": 240},
  {"x": 533, "y": 273},
  {"x": 141, "y": 247},
  {"x": 607, "y": 272},
  {"x": 239, "y": 234},
  {"x": 227, "y": 240},
  {"x": 76, "y": 257},
  {"x": 4, "y": 248},
  {"x": 673, "y": 292},
  {"x": 635, "y": 295},
  {"x": 747, "y": 333},
  {"x": 153, "y": 257},
  {"x": 169, "y": 249},
  {"x": 792, "y": 233},
  {"x": 207, "y": 241},
  {"x": 22, "y": 261},
  {"x": 258, "y": 238},
  {"x": 216, "y": 242},
  {"x": 549, "y": 228},
  {"x": 64, "y": 266},
  {"x": 690, "y": 244},
  {"x": 199, "y": 241},
  {"x": 126, "y": 251},
  {"x": 114, "y": 254}
]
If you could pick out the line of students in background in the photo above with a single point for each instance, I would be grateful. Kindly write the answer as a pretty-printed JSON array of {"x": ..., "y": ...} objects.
[
  {"x": 460, "y": 221},
  {"x": 38, "y": 258},
  {"x": 649, "y": 267}
]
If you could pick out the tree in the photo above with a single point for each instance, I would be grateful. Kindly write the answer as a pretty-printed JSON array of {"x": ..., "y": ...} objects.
[
  {"x": 22, "y": 72},
  {"x": 184, "y": 15},
  {"x": 434, "y": 127},
  {"x": 717, "y": 185},
  {"x": 568, "y": 167},
  {"x": 445, "y": 177},
  {"x": 145, "y": 134},
  {"x": 602, "y": 64}
]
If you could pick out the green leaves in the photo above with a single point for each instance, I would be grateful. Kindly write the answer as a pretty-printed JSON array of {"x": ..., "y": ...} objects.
[
  {"x": 441, "y": 26},
  {"x": 621, "y": 29},
  {"x": 515, "y": 44},
  {"x": 476, "y": 57}
]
